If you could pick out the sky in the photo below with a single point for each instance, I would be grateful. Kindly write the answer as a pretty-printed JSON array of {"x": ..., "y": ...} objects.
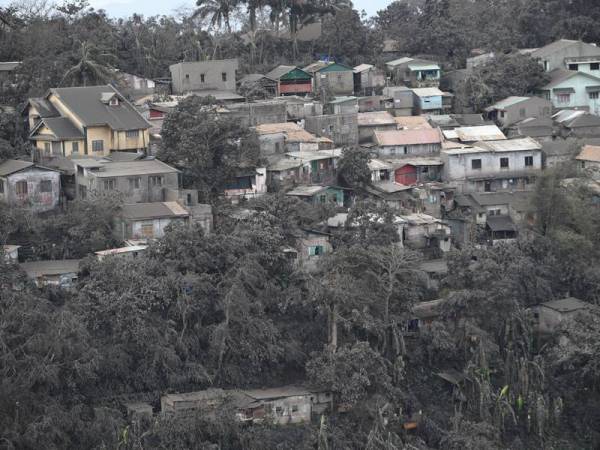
[{"x": 124, "y": 8}]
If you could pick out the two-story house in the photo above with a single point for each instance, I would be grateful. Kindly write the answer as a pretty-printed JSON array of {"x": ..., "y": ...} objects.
[
  {"x": 92, "y": 120},
  {"x": 569, "y": 54},
  {"x": 139, "y": 181},
  {"x": 291, "y": 80},
  {"x": 415, "y": 73},
  {"x": 337, "y": 78},
  {"x": 570, "y": 89},
  {"x": 493, "y": 165},
  {"x": 511, "y": 110},
  {"x": 214, "y": 75}
]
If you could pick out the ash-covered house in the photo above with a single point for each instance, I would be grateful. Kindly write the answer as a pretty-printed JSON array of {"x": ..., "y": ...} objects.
[
  {"x": 410, "y": 143},
  {"x": 368, "y": 80},
  {"x": 493, "y": 165},
  {"x": 61, "y": 272},
  {"x": 140, "y": 180},
  {"x": 340, "y": 129},
  {"x": 576, "y": 124},
  {"x": 303, "y": 168},
  {"x": 569, "y": 54},
  {"x": 291, "y": 80},
  {"x": 511, "y": 110},
  {"x": 401, "y": 100},
  {"x": 570, "y": 89},
  {"x": 26, "y": 184},
  {"x": 589, "y": 158},
  {"x": 337, "y": 78},
  {"x": 415, "y": 73},
  {"x": 430, "y": 100},
  {"x": 212, "y": 77},
  {"x": 144, "y": 221},
  {"x": 319, "y": 194},
  {"x": 470, "y": 135},
  {"x": 370, "y": 122},
  {"x": 280, "y": 138},
  {"x": 547, "y": 317},
  {"x": 257, "y": 86}
]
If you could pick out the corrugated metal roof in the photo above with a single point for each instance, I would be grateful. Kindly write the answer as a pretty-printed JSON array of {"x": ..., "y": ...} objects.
[
  {"x": 375, "y": 118},
  {"x": 11, "y": 166},
  {"x": 35, "y": 269},
  {"x": 428, "y": 92},
  {"x": 362, "y": 67},
  {"x": 153, "y": 210},
  {"x": 500, "y": 223},
  {"x": 9, "y": 66},
  {"x": 292, "y": 132},
  {"x": 420, "y": 66},
  {"x": 126, "y": 168},
  {"x": 509, "y": 101},
  {"x": 307, "y": 191},
  {"x": 510, "y": 145},
  {"x": 407, "y": 137},
  {"x": 399, "y": 61},
  {"x": 589, "y": 153},
  {"x": 479, "y": 133},
  {"x": 412, "y": 123}
]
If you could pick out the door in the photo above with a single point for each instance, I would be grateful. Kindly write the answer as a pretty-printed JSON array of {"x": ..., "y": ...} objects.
[{"x": 57, "y": 148}]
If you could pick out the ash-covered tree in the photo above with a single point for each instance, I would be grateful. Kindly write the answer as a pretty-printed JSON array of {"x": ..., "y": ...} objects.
[
  {"x": 209, "y": 147},
  {"x": 353, "y": 167},
  {"x": 502, "y": 77}
]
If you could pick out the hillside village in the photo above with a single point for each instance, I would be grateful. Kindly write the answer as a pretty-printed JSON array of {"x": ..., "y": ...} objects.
[{"x": 353, "y": 252}]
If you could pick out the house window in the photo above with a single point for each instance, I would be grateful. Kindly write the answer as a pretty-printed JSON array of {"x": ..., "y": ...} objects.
[
  {"x": 75, "y": 147},
  {"x": 522, "y": 112},
  {"x": 148, "y": 229},
  {"x": 573, "y": 66},
  {"x": 132, "y": 134},
  {"x": 109, "y": 184},
  {"x": 98, "y": 146},
  {"x": 21, "y": 187},
  {"x": 294, "y": 408},
  {"x": 546, "y": 66},
  {"x": 156, "y": 181},
  {"x": 594, "y": 95},
  {"x": 279, "y": 410},
  {"x": 134, "y": 183},
  {"x": 563, "y": 98},
  {"x": 528, "y": 161},
  {"x": 46, "y": 186},
  {"x": 315, "y": 250},
  {"x": 594, "y": 66},
  {"x": 47, "y": 148},
  {"x": 475, "y": 164},
  {"x": 504, "y": 163},
  {"x": 224, "y": 76},
  {"x": 487, "y": 186},
  {"x": 201, "y": 78},
  {"x": 187, "y": 76},
  {"x": 1, "y": 186},
  {"x": 114, "y": 101}
]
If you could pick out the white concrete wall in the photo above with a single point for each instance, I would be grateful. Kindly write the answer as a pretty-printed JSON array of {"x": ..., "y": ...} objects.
[{"x": 458, "y": 167}]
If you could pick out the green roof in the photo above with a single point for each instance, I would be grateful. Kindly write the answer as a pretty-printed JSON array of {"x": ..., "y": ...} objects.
[
  {"x": 296, "y": 74},
  {"x": 336, "y": 67}
]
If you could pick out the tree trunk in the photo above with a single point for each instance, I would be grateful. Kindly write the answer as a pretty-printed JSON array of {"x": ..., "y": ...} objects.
[{"x": 333, "y": 333}]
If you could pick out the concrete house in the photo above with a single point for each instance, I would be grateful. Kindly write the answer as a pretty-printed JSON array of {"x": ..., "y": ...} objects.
[
  {"x": 280, "y": 138},
  {"x": 340, "y": 129},
  {"x": 311, "y": 245},
  {"x": 589, "y": 157},
  {"x": 24, "y": 183},
  {"x": 431, "y": 100},
  {"x": 251, "y": 114},
  {"x": 415, "y": 73},
  {"x": 540, "y": 129},
  {"x": 142, "y": 221},
  {"x": 569, "y": 54},
  {"x": 576, "y": 124},
  {"x": 291, "y": 80},
  {"x": 304, "y": 168},
  {"x": 402, "y": 100},
  {"x": 319, "y": 194},
  {"x": 335, "y": 77},
  {"x": 370, "y": 122},
  {"x": 138, "y": 181},
  {"x": 470, "y": 135},
  {"x": 214, "y": 75},
  {"x": 493, "y": 165},
  {"x": 93, "y": 120},
  {"x": 257, "y": 86},
  {"x": 573, "y": 89},
  {"x": 422, "y": 231},
  {"x": 548, "y": 316},
  {"x": 515, "y": 109},
  {"x": 61, "y": 272},
  {"x": 401, "y": 143},
  {"x": 368, "y": 80}
]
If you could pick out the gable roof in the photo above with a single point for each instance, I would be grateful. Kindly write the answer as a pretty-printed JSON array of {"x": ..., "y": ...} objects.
[
  {"x": 61, "y": 127},
  {"x": 43, "y": 107},
  {"x": 156, "y": 210},
  {"x": 407, "y": 137},
  {"x": 562, "y": 44},
  {"x": 288, "y": 73},
  {"x": 557, "y": 76},
  {"x": 88, "y": 105},
  {"x": 125, "y": 168},
  {"x": 589, "y": 153},
  {"x": 325, "y": 66},
  {"x": 507, "y": 102},
  {"x": 11, "y": 166}
]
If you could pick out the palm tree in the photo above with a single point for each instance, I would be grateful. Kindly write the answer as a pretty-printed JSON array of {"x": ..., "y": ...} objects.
[
  {"x": 218, "y": 10},
  {"x": 92, "y": 66}
]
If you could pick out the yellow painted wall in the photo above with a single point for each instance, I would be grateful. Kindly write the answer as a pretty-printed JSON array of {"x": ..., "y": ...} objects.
[
  {"x": 122, "y": 142},
  {"x": 99, "y": 134}
]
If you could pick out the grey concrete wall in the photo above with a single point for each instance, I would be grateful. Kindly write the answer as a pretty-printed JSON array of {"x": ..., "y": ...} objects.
[
  {"x": 145, "y": 193},
  {"x": 341, "y": 129},
  {"x": 212, "y": 71},
  {"x": 39, "y": 201}
]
